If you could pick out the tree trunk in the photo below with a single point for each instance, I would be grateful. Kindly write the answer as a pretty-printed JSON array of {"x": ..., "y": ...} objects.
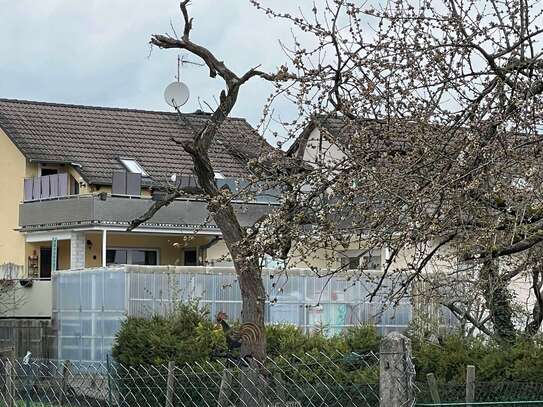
[
  {"x": 253, "y": 297},
  {"x": 498, "y": 302}
]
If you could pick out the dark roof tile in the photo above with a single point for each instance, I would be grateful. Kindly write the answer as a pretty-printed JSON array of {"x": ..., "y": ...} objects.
[{"x": 95, "y": 137}]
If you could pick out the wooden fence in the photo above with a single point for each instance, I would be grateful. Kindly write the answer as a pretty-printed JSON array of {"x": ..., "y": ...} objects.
[{"x": 19, "y": 336}]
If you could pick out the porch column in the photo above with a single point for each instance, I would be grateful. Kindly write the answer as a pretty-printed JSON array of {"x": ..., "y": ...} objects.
[
  {"x": 104, "y": 247},
  {"x": 77, "y": 250}
]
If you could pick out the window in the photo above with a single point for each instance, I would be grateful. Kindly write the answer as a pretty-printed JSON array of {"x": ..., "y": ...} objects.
[
  {"x": 191, "y": 257},
  {"x": 74, "y": 186},
  {"x": 369, "y": 260},
  {"x": 144, "y": 257},
  {"x": 48, "y": 171},
  {"x": 133, "y": 166}
]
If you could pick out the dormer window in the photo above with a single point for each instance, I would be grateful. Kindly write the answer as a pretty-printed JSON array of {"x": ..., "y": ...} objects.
[{"x": 133, "y": 166}]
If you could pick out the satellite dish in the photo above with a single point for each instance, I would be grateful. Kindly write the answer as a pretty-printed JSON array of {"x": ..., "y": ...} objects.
[{"x": 176, "y": 94}]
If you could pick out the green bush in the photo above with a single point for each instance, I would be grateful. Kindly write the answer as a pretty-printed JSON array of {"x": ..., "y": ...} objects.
[
  {"x": 284, "y": 339},
  {"x": 362, "y": 339},
  {"x": 188, "y": 335},
  {"x": 184, "y": 335},
  {"x": 521, "y": 361}
]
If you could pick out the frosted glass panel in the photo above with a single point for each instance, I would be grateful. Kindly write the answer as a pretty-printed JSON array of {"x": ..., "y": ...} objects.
[{"x": 90, "y": 305}]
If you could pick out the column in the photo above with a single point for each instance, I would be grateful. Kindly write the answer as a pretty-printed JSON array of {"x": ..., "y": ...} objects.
[
  {"x": 77, "y": 250},
  {"x": 104, "y": 247}
]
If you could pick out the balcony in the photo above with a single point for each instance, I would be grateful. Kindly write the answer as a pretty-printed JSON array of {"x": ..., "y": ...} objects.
[{"x": 78, "y": 211}]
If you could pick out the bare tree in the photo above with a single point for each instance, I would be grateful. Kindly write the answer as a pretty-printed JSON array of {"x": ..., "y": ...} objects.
[
  {"x": 434, "y": 108},
  {"x": 11, "y": 296},
  {"x": 439, "y": 105},
  {"x": 245, "y": 256}
]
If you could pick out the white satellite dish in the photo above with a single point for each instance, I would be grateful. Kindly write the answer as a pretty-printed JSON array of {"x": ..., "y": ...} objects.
[{"x": 176, "y": 94}]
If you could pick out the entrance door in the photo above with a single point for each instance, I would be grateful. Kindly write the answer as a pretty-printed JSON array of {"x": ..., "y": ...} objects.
[{"x": 45, "y": 262}]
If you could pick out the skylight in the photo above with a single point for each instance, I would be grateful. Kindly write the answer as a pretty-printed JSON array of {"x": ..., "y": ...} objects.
[{"x": 133, "y": 166}]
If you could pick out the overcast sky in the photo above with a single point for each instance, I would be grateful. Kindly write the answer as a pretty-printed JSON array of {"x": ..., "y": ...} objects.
[{"x": 96, "y": 52}]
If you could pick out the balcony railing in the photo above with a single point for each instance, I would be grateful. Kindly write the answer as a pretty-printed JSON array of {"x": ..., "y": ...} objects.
[
  {"x": 47, "y": 186},
  {"x": 114, "y": 210}
]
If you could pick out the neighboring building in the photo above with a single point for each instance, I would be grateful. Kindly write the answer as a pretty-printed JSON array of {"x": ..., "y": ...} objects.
[
  {"x": 74, "y": 176},
  {"x": 322, "y": 141},
  {"x": 73, "y": 179}
]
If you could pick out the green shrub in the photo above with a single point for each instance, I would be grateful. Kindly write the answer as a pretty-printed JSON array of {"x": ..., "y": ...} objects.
[
  {"x": 362, "y": 339},
  {"x": 188, "y": 335},
  {"x": 284, "y": 339},
  {"x": 184, "y": 335},
  {"x": 521, "y": 361}
]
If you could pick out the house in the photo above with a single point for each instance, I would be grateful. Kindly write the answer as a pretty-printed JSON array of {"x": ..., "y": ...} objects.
[
  {"x": 75, "y": 176},
  {"x": 322, "y": 142},
  {"x": 329, "y": 139}
]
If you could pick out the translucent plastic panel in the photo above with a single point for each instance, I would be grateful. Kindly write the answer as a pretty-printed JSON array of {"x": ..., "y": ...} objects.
[
  {"x": 397, "y": 316},
  {"x": 196, "y": 287},
  {"x": 286, "y": 313},
  {"x": 69, "y": 348},
  {"x": 164, "y": 286},
  {"x": 91, "y": 324},
  {"x": 114, "y": 291},
  {"x": 69, "y": 324},
  {"x": 69, "y": 292},
  {"x": 90, "y": 348},
  {"x": 344, "y": 290},
  {"x": 92, "y": 290},
  {"x": 142, "y": 285},
  {"x": 141, "y": 307},
  {"x": 99, "y": 352},
  {"x": 227, "y": 288},
  {"x": 111, "y": 324},
  {"x": 317, "y": 290},
  {"x": 107, "y": 345},
  {"x": 288, "y": 289},
  {"x": 233, "y": 310}
]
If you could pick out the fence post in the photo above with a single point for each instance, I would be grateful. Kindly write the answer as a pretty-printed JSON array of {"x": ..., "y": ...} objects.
[
  {"x": 432, "y": 386},
  {"x": 170, "y": 384},
  {"x": 225, "y": 389},
  {"x": 396, "y": 372},
  {"x": 108, "y": 367},
  {"x": 10, "y": 388},
  {"x": 65, "y": 373},
  {"x": 470, "y": 385}
]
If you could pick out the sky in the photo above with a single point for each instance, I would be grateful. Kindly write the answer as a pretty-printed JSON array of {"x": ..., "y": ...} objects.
[{"x": 96, "y": 52}]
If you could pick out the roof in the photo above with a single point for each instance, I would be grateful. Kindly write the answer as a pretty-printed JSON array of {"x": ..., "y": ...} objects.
[
  {"x": 342, "y": 131},
  {"x": 94, "y": 138}
]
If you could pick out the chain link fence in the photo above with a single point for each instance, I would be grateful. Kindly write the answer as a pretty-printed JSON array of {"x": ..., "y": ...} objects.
[
  {"x": 504, "y": 393},
  {"x": 305, "y": 380}
]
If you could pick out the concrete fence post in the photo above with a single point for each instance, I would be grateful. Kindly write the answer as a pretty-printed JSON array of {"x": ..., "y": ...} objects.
[
  {"x": 470, "y": 385},
  {"x": 170, "y": 383},
  {"x": 396, "y": 372}
]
